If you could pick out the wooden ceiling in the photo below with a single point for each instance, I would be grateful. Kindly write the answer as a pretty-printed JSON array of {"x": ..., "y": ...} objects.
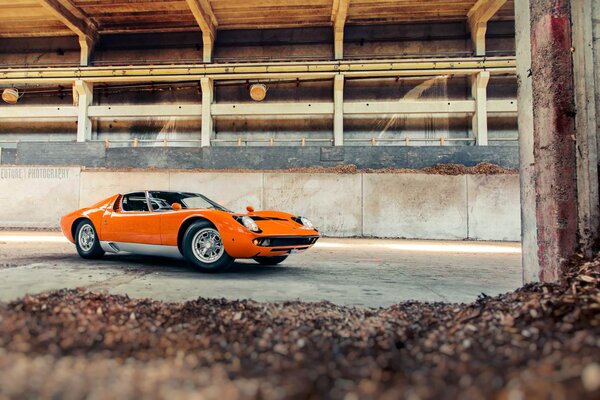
[{"x": 27, "y": 18}]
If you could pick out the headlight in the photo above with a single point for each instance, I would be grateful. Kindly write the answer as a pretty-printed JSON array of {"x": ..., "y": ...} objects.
[
  {"x": 250, "y": 224},
  {"x": 307, "y": 223}
]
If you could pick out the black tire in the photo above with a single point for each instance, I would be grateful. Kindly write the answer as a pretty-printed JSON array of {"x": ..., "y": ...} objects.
[
  {"x": 207, "y": 259},
  {"x": 86, "y": 241},
  {"x": 270, "y": 260}
]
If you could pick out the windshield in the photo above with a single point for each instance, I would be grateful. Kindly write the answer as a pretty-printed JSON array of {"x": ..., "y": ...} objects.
[{"x": 161, "y": 201}]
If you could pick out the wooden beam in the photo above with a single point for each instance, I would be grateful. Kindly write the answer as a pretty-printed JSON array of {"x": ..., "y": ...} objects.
[
  {"x": 478, "y": 17},
  {"x": 146, "y": 110},
  {"x": 403, "y": 107},
  {"x": 77, "y": 22},
  {"x": 339, "y": 12},
  {"x": 410, "y": 107},
  {"x": 256, "y": 109},
  {"x": 205, "y": 17},
  {"x": 21, "y": 112}
]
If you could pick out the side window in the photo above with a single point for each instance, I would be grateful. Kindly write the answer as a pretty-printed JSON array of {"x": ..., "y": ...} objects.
[
  {"x": 135, "y": 202},
  {"x": 161, "y": 201}
]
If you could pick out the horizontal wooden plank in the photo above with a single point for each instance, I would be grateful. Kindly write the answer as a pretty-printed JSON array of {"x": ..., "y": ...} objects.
[{"x": 28, "y": 18}]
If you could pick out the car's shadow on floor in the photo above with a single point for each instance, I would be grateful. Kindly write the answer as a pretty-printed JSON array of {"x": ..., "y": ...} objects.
[
  {"x": 169, "y": 265},
  {"x": 166, "y": 265}
]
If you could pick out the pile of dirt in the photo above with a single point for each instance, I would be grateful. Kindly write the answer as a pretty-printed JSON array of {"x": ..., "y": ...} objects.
[
  {"x": 438, "y": 169},
  {"x": 542, "y": 341},
  {"x": 459, "y": 169}
]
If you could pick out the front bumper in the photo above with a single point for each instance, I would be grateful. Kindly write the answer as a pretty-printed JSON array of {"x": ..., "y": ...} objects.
[
  {"x": 282, "y": 245},
  {"x": 249, "y": 245}
]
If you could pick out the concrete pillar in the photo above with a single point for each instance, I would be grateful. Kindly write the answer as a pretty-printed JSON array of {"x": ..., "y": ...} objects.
[
  {"x": 479, "y": 91},
  {"x": 338, "y": 110},
  {"x": 553, "y": 123},
  {"x": 531, "y": 264},
  {"x": 83, "y": 96},
  {"x": 586, "y": 124},
  {"x": 207, "y": 86}
]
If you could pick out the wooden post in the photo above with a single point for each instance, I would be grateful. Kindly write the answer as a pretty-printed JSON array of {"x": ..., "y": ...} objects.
[
  {"x": 338, "y": 110},
  {"x": 83, "y": 93},
  {"x": 478, "y": 17},
  {"x": 479, "y": 90}
]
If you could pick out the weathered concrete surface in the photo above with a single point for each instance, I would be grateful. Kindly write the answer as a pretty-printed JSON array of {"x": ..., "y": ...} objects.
[
  {"x": 8, "y": 156},
  {"x": 260, "y": 157},
  {"x": 415, "y": 206},
  {"x": 37, "y": 196},
  {"x": 531, "y": 262},
  {"x": 493, "y": 206},
  {"x": 355, "y": 272},
  {"x": 596, "y": 49},
  {"x": 233, "y": 190},
  {"x": 586, "y": 122},
  {"x": 81, "y": 154},
  {"x": 331, "y": 201},
  {"x": 553, "y": 135},
  {"x": 98, "y": 185}
]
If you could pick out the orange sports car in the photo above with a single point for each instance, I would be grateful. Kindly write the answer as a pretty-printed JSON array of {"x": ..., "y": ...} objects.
[{"x": 186, "y": 224}]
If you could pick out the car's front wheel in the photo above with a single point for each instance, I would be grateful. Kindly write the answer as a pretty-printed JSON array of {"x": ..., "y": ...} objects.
[
  {"x": 270, "y": 260},
  {"x": 203, "y": 247},
  {"x": 86, "y": 241}
]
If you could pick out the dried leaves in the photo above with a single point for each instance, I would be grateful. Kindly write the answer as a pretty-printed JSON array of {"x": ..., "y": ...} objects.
[{"x": 539, "y": 341}]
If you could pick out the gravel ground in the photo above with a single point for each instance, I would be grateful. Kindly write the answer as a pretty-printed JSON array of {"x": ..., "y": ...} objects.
[{"x": 541, "y": 341}]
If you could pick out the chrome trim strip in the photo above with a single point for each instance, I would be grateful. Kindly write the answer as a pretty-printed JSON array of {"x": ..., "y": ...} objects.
[{"x": 141, "y": 248}]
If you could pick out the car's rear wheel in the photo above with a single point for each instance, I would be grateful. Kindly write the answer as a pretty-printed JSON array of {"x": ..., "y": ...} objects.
[
  {"x": 270, "y": 260},
  {"x": 86, "y": 241},
  {"x": 203, "y": 247}
]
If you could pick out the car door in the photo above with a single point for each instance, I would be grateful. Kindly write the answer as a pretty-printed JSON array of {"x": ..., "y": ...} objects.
[{"x": 131, "y": 221}]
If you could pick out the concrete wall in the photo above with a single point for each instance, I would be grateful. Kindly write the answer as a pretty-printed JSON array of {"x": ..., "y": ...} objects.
[
  {"x": 381, "y": 205},
  {"x": 94, "y": 154},
  {"x": 415, "y": 206},
  {"x": 35, "y": 197}
]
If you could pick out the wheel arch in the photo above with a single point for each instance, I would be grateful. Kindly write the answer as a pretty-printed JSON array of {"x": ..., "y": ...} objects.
[
  {"x": 76, "y": 223},
  {"x": 186, "y": 224}
]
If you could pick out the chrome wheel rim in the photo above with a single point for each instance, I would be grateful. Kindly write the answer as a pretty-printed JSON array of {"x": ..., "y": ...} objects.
[
  {"x": 207, "y": 245},
  {"x": 86, "y": 237}
]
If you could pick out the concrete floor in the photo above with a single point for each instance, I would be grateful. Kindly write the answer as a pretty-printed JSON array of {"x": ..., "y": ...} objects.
[{"x": 357, "y": 272}]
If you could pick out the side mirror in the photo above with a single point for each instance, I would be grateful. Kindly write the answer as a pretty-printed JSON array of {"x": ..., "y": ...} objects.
[
  {"x": 176, "y": 206},
  {"x": 250, "y": 209}
]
